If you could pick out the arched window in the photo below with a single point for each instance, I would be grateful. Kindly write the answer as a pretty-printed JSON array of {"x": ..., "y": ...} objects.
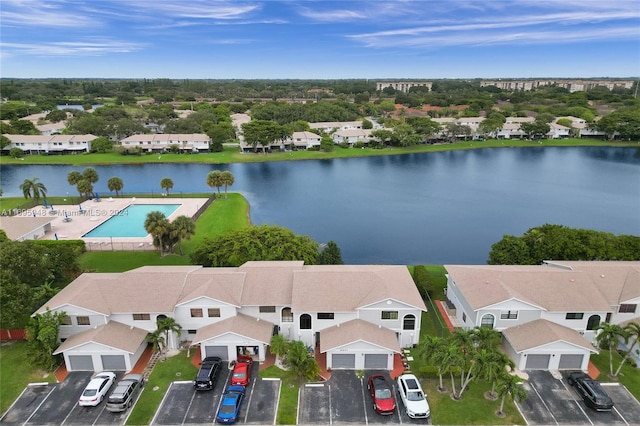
[
  {"x": 286, "y": 315},
  {"x": 305, "y": 322},
  {"x": 409, "y": 322},
  {"x": 487, "y": 321},
  {"x": 593, "y": 322}
]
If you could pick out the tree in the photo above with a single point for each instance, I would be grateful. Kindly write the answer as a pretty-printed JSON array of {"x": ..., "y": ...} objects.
[
  {"x": 90, "y": 174},
  {"x": 182, "y": 228},
  {"x": 101, "y": 144},
  {"x": 115, "y": 184},
  {"x": 157, "y": 340},
  {"x": 159, "y": 227},
  {"x": 227, "y": 179},
  {"x": 330, "y": 255},
  {"x": 85, "y": 188},
  {"x": 74, "y": 177},
  {"x": 300, "y": 361},
  {"x": 166, "y": 184},
  {"x": 326, "y": 143},
  {"x": 42, "y": 339},
  {"x": 278, "y": 345},
  {"x": 56, "y": 115},
  {"x": 31, "y": 188},
  {"x": 168, "y": 325},
  {"x": 4, "y": 142},
  {"x": 214, "y": 179},
  {"x": 434, "y": 351},
  {"x": 607, "y": 338},
  {"x": 16, "y": 153},
  {"x": 509, "y": 385},
  {"x": 632, "y": 332}
]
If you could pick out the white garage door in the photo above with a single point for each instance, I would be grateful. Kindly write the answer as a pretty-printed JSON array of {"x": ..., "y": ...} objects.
[
  {"x": 113, "y": 362},
  {"x": 570, "y": 362},
  {"x": 537, "y": 362},
  {"x": 343, "y": 361},
  {"x": 375, "y": 361},
  {"x": 219, "y": 351},
  {"x": 80, "y": 363}
]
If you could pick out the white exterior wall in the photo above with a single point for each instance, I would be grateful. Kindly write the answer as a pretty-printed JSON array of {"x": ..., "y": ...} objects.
[
  {"x": 406, "y": 338},
  {"x": 526, "y": 313},
  {"x": 360, "y": 349},
  {"x": 461, "y": 305},
  {"x": 232, "y": 341},
  {"x": 70, "y": 330},
  {"x": 554, "y": 349},
  {"x": 96, "y": 351},
  {"x": 182, "y": 314},
  {"x": 254, "y": 312},
  {"x": 618, "y": 317}
]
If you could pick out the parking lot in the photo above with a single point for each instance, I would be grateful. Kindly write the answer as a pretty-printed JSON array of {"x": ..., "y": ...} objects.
[
  {"x": 56, "y": 404},
  {"x": 552, "y": 401},
  {"x": 182, "y": 404},
  {"x": 344, "y": 398}
]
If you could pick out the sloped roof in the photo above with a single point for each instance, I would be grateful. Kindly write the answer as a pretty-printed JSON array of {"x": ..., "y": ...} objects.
[
  {"x": 242, "y": 325},
  {"x": 541, "y": 332},
  {"x": 113, "y": 334},
  {"x": 358, "y": 330},
  {"x": 19, "y": 226},
  {"x": 269, "y": 283}
]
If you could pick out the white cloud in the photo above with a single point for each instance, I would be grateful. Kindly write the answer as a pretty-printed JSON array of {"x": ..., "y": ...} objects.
[
  {"x": 37, "y": 13},
  {"x": 90, "y": 47}
]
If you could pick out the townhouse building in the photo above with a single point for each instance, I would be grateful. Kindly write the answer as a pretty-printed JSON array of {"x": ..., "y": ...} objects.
[
  {"x": 192, "y": 142},
  {"x": 50, "y": 144}
]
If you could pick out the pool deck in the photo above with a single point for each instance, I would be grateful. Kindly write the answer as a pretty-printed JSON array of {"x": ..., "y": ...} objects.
[{"x": 70, "y": 223}]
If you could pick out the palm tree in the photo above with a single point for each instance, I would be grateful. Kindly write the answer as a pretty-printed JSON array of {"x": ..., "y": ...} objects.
[
  {"x": 227, "y": 179},
  {"x": 166, "y": 184},
  {"x": 509, "y": 385},
  {"x": 74, "y": 177},
  {"x": 166, "y": 326},
  {"x": 33, "y": 188},
  {"x": 214, "y": 179},
  {"x": 300, "y": 362},
  {"x": 607, "y": 338},
  {"x": 158, "y": 226},
  {"x": 489, "y": 364},
  {"x": 632, "y": 331},
  {"x": 279, "y": 345},
  {"x": 157, "y": 340},
  {"x": 115, "y": 184},
  {"x": 90, "y": 174},
  {"x": 486, "y": 338},
  {"x": 85, "y": 188},
  {"x": 434, "y": 350},
  {"x": 183, "y": 228}
]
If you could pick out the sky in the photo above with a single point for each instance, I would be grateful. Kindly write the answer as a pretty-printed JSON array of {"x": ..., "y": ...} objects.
[{"x": 319, "y": 39}]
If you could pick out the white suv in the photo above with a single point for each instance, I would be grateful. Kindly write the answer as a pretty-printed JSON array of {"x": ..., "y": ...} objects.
[{"x": 412, "y": 396}]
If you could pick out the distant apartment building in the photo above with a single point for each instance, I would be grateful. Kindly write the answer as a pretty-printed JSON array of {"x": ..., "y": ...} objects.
[
  {"x": 570, "y": 85},
  {"x": 402, "y": 86}
]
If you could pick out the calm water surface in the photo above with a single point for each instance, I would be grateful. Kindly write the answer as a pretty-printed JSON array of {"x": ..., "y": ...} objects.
[{"x": 431, "y": 208}]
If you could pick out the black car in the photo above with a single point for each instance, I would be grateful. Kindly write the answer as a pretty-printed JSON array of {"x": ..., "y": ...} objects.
[
  {"x": 591, "y": 391},
  {"x": 206, "y": 378}
]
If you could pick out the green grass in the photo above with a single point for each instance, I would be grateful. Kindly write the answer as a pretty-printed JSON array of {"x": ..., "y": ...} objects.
[
  {"x": 289, "y": 388},
  {"x": 629, "y": 375},
  {"x": 177, "y": 367},
  {"x": 16, "y": 373},
  {"x": 233, "y": 155}
]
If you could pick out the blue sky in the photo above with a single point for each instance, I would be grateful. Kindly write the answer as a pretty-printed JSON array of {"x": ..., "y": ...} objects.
[{"x": 319, "y": 39}]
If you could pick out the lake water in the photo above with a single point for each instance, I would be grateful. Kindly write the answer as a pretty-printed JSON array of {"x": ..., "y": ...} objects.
[{"x": 429, "y": 208}]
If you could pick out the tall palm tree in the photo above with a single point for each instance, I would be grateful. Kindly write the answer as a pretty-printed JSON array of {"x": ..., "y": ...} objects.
[
  {"x": 115, "y": 184},
  {"x": 434, "y": 350},
  {"x": 486, "y": 338},
  {"x": 489, "y": 364},
  {"x": 508, "y": 385},
  {"x": 166, "y": 326},
  {"x": 166, "y": 184},
  {"x": 158, "y": 226},
  {"x": 157, "y": 340},
  {"x": 227, "y": 179},
  {"x": 607, "y": 338},
  {"x": 85, "y": 188},
  {"x": 214, "y": 179},
  {"x": 183, "y": 228},
  {"x": 32, "y": 188},
  {"x": 632, "y": 332}
]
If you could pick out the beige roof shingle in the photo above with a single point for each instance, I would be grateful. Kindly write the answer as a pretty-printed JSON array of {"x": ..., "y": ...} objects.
[
  {"x": 242, "y": 325},
  {"x": 113, "y": 334},
  {"x": 541, "y": 332},
  {"x": 358, "y": 330}
]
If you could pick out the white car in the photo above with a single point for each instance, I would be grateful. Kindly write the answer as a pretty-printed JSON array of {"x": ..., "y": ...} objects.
[
  {"x": 97, "y": 389},
  {"x": 413, "y": 397}
]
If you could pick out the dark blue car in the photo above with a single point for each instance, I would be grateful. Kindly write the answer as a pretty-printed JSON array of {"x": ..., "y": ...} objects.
[{"x": 230, "y": 405}]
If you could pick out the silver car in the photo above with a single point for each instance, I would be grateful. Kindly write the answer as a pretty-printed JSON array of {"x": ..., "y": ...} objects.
[{"x": 125, "y": 393}]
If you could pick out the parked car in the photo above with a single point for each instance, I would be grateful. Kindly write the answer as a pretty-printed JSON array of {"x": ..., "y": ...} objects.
[
  {"x": 125, "y": 393},
  {"x": 382, "y": 394},
  {"x": 591, "y": 391},
  {"x": 97, "y": 389},
  {"x": 230, "y": 406},
  {"x": 412, "y": 396},
  {"x": 242, "y": 371},
  {"x": 206, "y": 378}
]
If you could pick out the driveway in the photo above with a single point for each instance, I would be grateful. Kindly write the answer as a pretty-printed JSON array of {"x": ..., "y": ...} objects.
[{"x": 552, "y": 401}]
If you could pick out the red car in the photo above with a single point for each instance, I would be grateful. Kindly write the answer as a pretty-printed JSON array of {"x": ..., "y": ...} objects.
[
  {"x": 382, "y": 394},
  {"x": 242, "y": 371}
]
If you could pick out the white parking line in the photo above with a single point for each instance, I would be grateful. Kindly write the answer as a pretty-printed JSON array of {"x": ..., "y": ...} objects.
[
  {"x": 249, "y": 402},
  {"x": 155, "y": 416},
  {"x": 543, "y": 403},
  {"x": 620, "y": 414},
  {"x": 39, "y": 405},
  {"x": 364, "y": 403},
  {"x": 576, "y": 401},
  {"x": 193, "y": 395},
  {"x": 330, "y": 410},
  {"x": 275, "y": 413}
]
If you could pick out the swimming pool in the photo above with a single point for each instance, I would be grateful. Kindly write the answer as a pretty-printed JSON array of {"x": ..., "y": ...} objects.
[{"x": 129, "y": 222}]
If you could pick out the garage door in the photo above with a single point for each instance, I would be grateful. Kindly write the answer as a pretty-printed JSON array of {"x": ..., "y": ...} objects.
[
  {"x": 343, "y": 361},
  {"x": 571, "y": 362},
  {"x": 537, "y": 362},
  {"x": 114, "y": 362},
  {"x": 219, "y": 351},
  {"x": 375, "y": 361},
  {"x": 81, "y": 363}
]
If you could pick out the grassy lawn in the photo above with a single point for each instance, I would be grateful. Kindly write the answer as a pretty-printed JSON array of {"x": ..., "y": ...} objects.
[
  {"x": 177, "y": 367},
  {"x": 16, "y": 373},
  {"x": 629, "y": 375},
  {"x": 232, "y": 154},
  {"x": 289, "y": 388}
]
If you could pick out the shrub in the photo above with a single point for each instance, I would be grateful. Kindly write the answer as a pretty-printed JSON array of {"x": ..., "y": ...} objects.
[{"x": 16, "y": 153}]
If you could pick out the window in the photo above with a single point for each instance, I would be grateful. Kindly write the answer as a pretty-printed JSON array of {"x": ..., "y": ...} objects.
[
  {"x": 509, "y": 315},
  {"x": 65, "y": 320},
  {"x": 574, "y": 315},
  {"x": 191, "y": 331},
  {"x": 409, "y": 322},
  {"x": 627, "y": 308},
  {"x": 593, "y": 322},
  {"x": 141, "y": 317},
  {"x": 213, "y": 312},
  {"x": 267, "y": 309},
  {"x": 196, "y": 313},
  {"x": 305, "y": 322},
  {"x": 464, "y": 317},
  {"x": 487, "y": 321},
  {"x": 287, "y": 315},
  {"x": 325, "y": 315},
  {"x": 83, "y": 320},
  {"x": 389, "y": 315}
]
